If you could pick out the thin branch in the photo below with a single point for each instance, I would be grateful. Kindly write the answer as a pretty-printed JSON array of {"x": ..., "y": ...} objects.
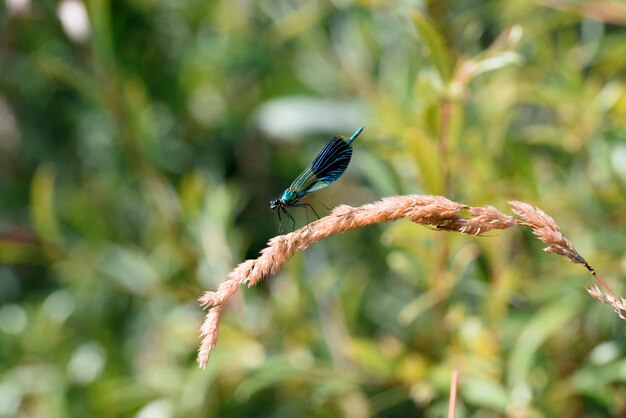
[{"x": 453, "y": 385}]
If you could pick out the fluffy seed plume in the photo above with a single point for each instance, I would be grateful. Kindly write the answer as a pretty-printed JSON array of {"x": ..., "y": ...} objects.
[
  {"x": 435, "y": 211},
  {"x": 618, "y": 304},
  {"x": 544, "y": 228}
]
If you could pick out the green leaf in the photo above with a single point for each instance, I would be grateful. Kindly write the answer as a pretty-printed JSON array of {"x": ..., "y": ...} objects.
[
  {"x": 485, "y": 393},
  {"x": 496, "y": 62},
  {"x": 545, "y": 323},
  {"x": 434, "y": 42},
  {"x": 42, "y": 204}
]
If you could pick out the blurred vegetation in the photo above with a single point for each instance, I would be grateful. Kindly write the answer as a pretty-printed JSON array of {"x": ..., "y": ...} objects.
[{"x": 137, "y": 161}]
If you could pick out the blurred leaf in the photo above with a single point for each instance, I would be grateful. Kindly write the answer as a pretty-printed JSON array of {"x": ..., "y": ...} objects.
[
  {"x": 43, "y": 207},
  {"x": 434, "y": 43},
  {"x": 417, "y": 307},
  {"x": 191, "y": 192},
  {"x": 368, "y": 355},
  {"x": 276, "y": 371},
  {"x": 424, "y": 152},
  {"x": 541, "y": 326},
  {"x": 12, "y": 252},
  {"x": 496, "y": 62},
  {"x": 379, "y": 174},
  {"x": 131, "y": 269},
  {"x": 412, "y": 368},
  {"x": 590, "y": 379},
  {"x": 62, "y": 71},
  {"x": 484, "y": 393},
  {"x": 606, "y": 11}
]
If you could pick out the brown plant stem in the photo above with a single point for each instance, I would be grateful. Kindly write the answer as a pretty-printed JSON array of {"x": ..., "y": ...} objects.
[
  {"x": 435, "y": 211},
  {"x": 452, "y": 402}
]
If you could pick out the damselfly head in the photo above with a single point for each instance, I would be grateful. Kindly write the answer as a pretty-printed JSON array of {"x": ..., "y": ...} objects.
[{"x": 274, "y": 203}]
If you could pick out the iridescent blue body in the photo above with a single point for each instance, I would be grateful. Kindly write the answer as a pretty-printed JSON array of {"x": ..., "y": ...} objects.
[
  {"x": 290, "y": 197},
  {"x": 326, "y": 168}
]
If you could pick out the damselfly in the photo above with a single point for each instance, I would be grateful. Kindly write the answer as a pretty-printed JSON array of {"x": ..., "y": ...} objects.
[{"x": 328, "y": 166}]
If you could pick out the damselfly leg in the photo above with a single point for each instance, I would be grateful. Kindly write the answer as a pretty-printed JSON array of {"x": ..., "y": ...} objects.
[{"x": 293, "y": 221}]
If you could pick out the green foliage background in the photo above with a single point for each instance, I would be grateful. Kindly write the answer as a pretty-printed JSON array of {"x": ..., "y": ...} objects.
[{"x": 136, "y": 167}]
